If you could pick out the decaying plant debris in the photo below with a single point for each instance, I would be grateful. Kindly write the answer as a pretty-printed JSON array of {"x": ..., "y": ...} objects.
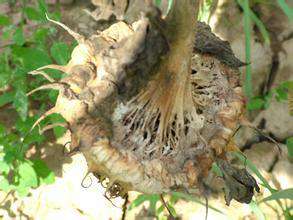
[{"x": 154, "y": 103}]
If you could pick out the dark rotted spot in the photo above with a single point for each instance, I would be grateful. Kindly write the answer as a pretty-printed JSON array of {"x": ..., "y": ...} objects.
[{"x": 193, "y": 72}]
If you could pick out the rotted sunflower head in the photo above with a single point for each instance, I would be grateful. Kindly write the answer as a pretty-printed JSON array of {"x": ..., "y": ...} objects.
[{"x": 150, "y": 109}]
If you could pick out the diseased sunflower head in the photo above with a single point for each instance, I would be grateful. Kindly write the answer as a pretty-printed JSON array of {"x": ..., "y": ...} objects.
[{"x": 147, "y": 110}]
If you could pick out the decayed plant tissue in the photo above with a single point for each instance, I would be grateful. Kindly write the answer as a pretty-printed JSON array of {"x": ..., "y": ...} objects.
[{"x": 153, "y": 103}]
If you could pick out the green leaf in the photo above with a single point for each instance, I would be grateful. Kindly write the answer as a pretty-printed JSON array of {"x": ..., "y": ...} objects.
[
  {"x": 139, "y": 200},
  {"x": 45, "y": 175},
  {"x": 2, "y": 130},
  {"x": 24, "y": 127},
  {"x": 4, "y": 167},
  {"x": 19, "y": 79},
  {"x": 10, "y": 155},
  {"x": 5, "y": 69},
  {"x": 22, "y": 190},
  {"x": 53, "y": 95},
  {"x": 282, "y": 194},
  {"x": 172, "y": 209},
  {"x": 11, "y": 138},
  {"x": 20, "y": 103},
  {"x": 56, "y": 15},
  {"x": 4, "y": 20},
  {"x": 281, "y": 93},
  {"x": 153, "y": 199},
  {"x": 4, "y": 77},
  {"x": 289, "y": 143},
  {"x": 255, "y": 103},
  {"x": 33, "y": 14},
  {"x": 257, "y": 211},
  {"x": 288, "y": 214},
  {"x": 6, "y": 98},
  {"x": 28, "y": 175},
  {"x": 18, "y": 37},
  {"x": 7, "y": 32},
  {"x": 32, "y": 58},
  {"x": 58, "y": 131},
  {"x": 288, "y": 84},
  {"x": 43, "y": 9},
  {"x": 267, "y": 99},
  {"x": 34, "y": 137},
  {"x": 60, "y": 52},
  {"x": 40, "y": 35},
  {"x": 158, "y": 2},
  {"x": 160, "y": 210},
  {"x": 4, "y": 184}
]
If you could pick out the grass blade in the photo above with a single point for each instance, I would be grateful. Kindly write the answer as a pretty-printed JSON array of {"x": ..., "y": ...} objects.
[
  {"x": 261, "y": 27},
  {"x": 286, "y": 9},
  {"x": 138, "y": 201},
  {"x": 282, "y": 194}
]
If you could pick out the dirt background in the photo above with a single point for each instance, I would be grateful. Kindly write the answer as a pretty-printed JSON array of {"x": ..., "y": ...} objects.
[{"x": 67, "y": 199}]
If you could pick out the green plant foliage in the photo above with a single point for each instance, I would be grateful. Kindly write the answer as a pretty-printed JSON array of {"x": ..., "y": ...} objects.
[
  {"x": 31, "y": 58},
  {"x": 152, "y": 199},
  {"x": 158, "y": 2},
  {"x": 18, "y": 173},
  {"x": 256, "y": 103},
  {"x": 282, "y": 194},
  {"x": 280, "y": 93},
  {"x": 4, "y": 20},
  {"x": 18, "y": 37},
  {"x": 6, "y": 98},
  {"x": 251, "y": 18},
  {"x": 286, "y": 9},
  {"x": 60, "y": 52},
  {"x": 20, "y": 103},
  {"x": 25, "y": 53},
  {"x": 205, "y": 11},
  {"x": 44, "y": 174},
  {"x": 57, "y": 118}
]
